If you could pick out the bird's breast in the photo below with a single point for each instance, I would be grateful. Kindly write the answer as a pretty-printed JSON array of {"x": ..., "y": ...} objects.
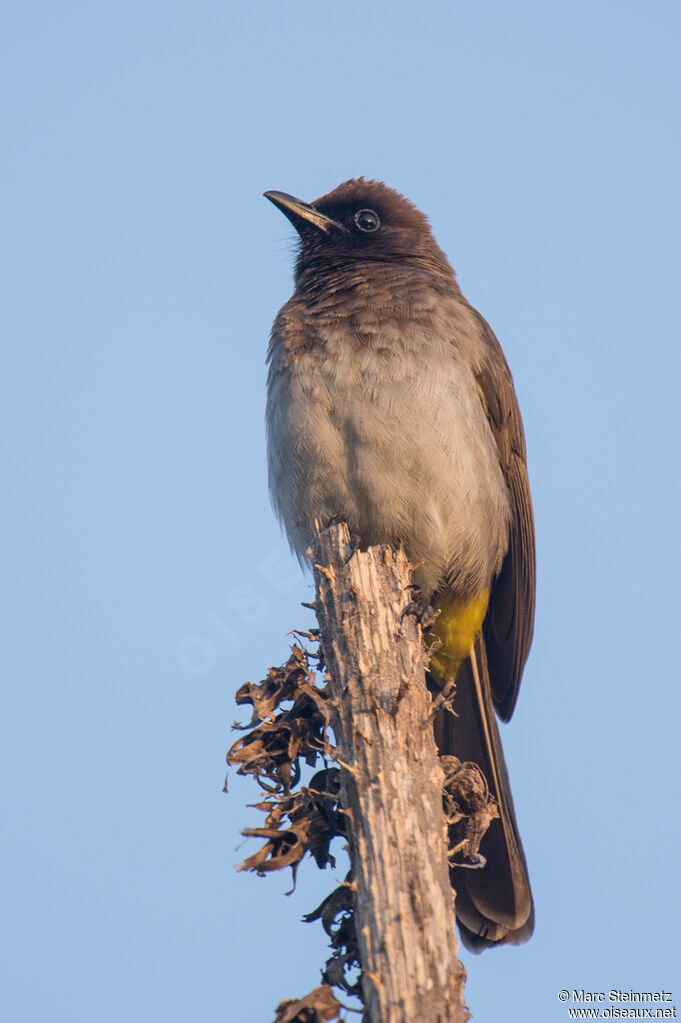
[{"x": 384, "y": 426}]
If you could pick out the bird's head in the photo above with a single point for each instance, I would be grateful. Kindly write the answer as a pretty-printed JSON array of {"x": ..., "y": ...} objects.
[{"x": 360, "y": 221}]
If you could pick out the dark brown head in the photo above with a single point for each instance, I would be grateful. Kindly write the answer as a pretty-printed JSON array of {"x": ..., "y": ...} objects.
[{"x": 360, "y": 221}]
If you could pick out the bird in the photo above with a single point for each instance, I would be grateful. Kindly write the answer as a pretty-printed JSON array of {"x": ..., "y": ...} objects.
[{"x": 390, "y": 404}]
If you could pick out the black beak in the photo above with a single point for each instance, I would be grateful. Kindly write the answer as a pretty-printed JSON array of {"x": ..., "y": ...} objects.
[{"x": 301, "y": 214}]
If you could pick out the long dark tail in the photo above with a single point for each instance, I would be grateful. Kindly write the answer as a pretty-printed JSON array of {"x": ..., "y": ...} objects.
[{"x": 493, "y": 903}]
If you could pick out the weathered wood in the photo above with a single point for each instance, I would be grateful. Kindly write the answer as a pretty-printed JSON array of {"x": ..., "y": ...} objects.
[{"x": 391, "y": 783}]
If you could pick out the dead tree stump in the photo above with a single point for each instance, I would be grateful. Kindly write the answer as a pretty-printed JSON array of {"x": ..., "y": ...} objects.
[{"x": 392, "y": 783}]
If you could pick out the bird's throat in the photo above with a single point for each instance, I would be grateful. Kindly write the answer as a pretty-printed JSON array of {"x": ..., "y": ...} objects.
[{"x": 457, "y": 628}]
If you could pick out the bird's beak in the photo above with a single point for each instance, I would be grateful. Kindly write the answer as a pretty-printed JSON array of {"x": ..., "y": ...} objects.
[{"x": 301, "y": 214}]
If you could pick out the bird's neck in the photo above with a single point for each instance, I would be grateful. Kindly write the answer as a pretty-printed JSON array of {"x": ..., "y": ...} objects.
[{"x": 329, "y": 283}]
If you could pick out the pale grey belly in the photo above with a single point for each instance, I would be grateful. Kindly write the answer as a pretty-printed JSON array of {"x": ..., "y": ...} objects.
[{"x": 401, "y": 448}]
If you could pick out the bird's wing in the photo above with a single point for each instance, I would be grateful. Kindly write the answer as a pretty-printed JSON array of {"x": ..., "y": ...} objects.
[{"x": 509, "y": 622}]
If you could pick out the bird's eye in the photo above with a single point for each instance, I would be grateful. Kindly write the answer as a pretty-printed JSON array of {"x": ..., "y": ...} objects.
[{"x": 367, "y": 220}]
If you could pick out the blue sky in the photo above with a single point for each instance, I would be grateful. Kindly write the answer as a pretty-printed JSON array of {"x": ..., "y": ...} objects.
[{"x": 144, "y": 576}]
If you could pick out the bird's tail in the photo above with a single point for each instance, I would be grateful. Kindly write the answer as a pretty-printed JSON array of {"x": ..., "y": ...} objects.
[{"x": 494, "y": 902}]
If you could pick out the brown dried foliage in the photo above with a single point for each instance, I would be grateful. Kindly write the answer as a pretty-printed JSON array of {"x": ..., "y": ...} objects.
[
  {"x": 337, "y": 914},
  {"x": 295, "y": 822},
  {"x": 303, "y": 821},
  {"x": 314, "y": 818},
  {"x": 317, "y": 1007},
  {"x": 469, "y": 809},
  {"x": 276, "y": 742},
  {"x": 307, "y": 820}
]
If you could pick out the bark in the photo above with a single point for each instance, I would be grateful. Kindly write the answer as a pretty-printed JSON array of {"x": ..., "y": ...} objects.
[{"x": 392, "y": 783}]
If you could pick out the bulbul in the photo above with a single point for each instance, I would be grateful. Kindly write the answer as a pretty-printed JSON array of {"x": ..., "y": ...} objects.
[{"x": 391, "y": 405}]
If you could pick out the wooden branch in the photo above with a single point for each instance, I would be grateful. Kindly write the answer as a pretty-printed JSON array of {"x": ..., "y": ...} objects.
[{"x": 391, "y": 783}]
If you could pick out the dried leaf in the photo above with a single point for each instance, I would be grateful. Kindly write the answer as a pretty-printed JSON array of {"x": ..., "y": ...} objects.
[
  {"x": 275, "y": 743},
  {"x": 272, "y": 749},
  {"x": 337, "y": 914},
  {"x": 314, "y": 820},
  {"x": 469, "y": 807},
  {"x": 317, "y": 1007}
]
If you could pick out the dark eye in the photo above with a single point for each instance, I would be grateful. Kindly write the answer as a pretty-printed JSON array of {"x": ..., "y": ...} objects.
[{"x": 367, "y": 220}]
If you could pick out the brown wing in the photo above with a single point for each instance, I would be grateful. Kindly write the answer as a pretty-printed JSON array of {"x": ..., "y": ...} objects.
[{"x": 509, "y": 623}]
